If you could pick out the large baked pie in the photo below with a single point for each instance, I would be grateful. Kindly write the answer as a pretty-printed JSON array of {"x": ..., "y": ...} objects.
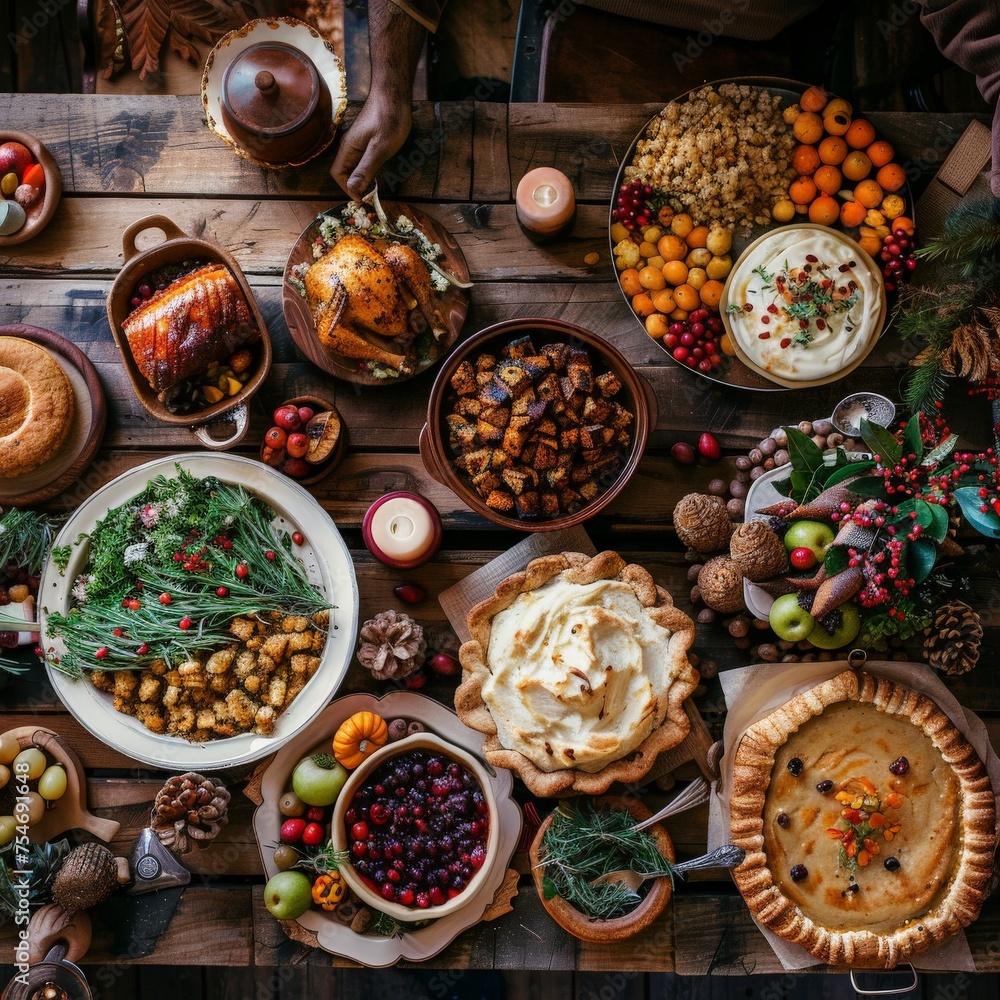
[
  {"x": 577, "y": 671},
  {"x": 868, "y": 820}
]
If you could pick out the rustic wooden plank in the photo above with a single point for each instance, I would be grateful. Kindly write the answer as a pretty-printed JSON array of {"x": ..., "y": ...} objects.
[
  {"x": 538, "y": 986},
  {"x": 491, "y": 170},
  {"x": 184, "y": 979},
  {"x": 238, "y": 984}
]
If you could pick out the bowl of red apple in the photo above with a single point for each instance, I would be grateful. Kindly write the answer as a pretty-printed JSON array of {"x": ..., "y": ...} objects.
[
  {"x": 417, "y": 820},
  {"x": 306, "y": 439}
]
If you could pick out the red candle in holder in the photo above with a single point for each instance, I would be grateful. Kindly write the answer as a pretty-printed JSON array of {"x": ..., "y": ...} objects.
[
  {"x": 546, "y": 204},
  {"x": 402, "y": 530}
]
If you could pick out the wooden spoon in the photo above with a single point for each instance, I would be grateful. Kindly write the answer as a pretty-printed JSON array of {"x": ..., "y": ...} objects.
[{"x": 70, "y": 812}]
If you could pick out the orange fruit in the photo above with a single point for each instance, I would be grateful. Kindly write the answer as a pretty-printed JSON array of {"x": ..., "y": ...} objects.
[
  {"x": 904, "y": 223},
  {"x": 880, "y": 153},
  {"x": 672, "y": 247},
  {"x": 828, "y": 179},
  {"x": 805, "y": 159},
  {"x": 856, "y": 165},
  {"x": 852, "y": 213},
  {"x": 675, "y": 271},
  {"x": 651, "y": 278},
  {"x": 860, "y": 134},
  {"x": 710, "y": 294},
  {"x": 871, "y": 245},
  {"x": 679, "y": 314},
  {"x": 892, "y": 177},
  {"x": 802, "y": 190},
  {"x": 663, "y": 300},
  {"x": 801, "y": 208},
  {"x": 643, "y": 304},
  {"x": 869, "y": 193},
  {"x": 726, "y": 343},
  {"x": 697, "y": 237},
  {"x": 783, "y": 211},
  {"x": 808, "y": 127},
  {"x": 813, "y": 99},
  {"x": 686, "y": 297},
  {"x": 837, "y": 123},
  {"x": 657, "y": 325},
  {"x": 832, "y": 149},
  {"x": 681, "y": 224},
  {"x": 824, "y": 210},
  {"x": 630, "y": 282}
]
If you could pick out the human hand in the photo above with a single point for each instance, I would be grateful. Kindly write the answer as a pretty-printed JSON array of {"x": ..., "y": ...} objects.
[{"x": 377, "y": 134}]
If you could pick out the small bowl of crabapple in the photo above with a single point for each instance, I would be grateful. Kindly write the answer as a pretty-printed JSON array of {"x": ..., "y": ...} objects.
[{"x": 306, "y": 440}]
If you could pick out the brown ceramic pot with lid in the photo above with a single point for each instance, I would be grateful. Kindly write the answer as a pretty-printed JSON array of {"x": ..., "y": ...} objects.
[{"x": 276, "y": 104}]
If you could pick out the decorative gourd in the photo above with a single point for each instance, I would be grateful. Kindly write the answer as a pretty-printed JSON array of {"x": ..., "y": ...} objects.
[
  {"x": 328, "y": 890},
  {"x": 360, "y": 735}
]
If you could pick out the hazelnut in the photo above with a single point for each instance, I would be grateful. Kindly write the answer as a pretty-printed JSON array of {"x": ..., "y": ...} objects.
[
  {"x": 743, "y": 463},
  {"x": 822, "y": 426},
  {"x": 756, "y": 472},
  {"x": 834, "y": 440},
  {"x": 781, "y": 457},
  {"x": 739, "y": 627},
  {"x": 717, "y": 487},
  {"x": 768, "y": 446},
  {"x": 736, "y": 507},
  {"x": 702, "y": 522},
  {"x": 758, "y": 551},
  {"x": 780, "y": 437},
  {"x": 695, "y": 595},
  {"x": 756, "y": 456},
  {"x": 738, "y": 489},
  {"x": 708, "y": 669},
  {"x": 767, "y": 652},
  {"x": 706, "y": 616},
  {"x": 721, "y": 584},
  {"x": 693, "y": 571}
]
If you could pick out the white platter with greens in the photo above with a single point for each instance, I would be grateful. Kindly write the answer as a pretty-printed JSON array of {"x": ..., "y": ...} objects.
[{"x": 123, "y": 534}]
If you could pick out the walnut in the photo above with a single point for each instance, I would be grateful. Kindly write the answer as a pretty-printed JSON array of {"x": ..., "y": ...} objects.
[
  {"x": 758, "y": 551},
  {"x": 721, "y": 585},
  {"x": 702, "y": 522}
]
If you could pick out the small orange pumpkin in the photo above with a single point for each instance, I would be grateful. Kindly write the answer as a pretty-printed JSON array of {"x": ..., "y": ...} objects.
[{"x": 360, "y": 735}]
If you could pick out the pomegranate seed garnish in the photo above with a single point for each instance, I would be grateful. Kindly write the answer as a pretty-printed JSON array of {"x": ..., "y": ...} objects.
[
  {"x": 765, "y": 320},
  {"x": 785, "y": 341},
  {"x": 764, "y": 336},
  {"x": 812, "y": 258},
  {"x": 748, "y": 307},
  {"x": 184, "y": 623},
  {"x": 165, "y": 598},
  {"x": 101, "y": 653}
]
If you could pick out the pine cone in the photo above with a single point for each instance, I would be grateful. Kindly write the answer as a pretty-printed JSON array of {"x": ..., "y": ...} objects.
[
  {"x": 189, "y": 807},
  {"x": 392, "y": 645},
  {"x": 951, "y": 643}
]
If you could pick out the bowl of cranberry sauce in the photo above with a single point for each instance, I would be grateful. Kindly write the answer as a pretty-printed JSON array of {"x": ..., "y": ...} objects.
[{"x": 417, "y": 820}]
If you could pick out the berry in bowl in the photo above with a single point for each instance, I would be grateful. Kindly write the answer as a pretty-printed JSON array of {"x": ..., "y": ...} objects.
[{"x": 417, "y": 819}]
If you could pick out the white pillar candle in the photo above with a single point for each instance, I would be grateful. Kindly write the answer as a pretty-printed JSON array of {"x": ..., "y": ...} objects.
[
  {"x": 546, "y": 203},
  {"x": 402, "y": 530}
]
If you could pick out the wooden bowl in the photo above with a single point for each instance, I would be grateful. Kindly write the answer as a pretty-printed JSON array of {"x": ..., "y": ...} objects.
[
  {"x": 587, "y": 928},
  {"x": 320, "y": 405},
  {"x": 178, "y": 247},
  {"x": 338, "y": 832},
  {"x": 40, "y": 214},
  {"x": 70, "y": 812},
  {"x": 636, "y": 395}
]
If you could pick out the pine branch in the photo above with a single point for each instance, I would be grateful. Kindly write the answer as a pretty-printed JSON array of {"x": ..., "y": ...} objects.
[
  {"x": 926, "y": 384},
  {"x": 971, "y": 232}
]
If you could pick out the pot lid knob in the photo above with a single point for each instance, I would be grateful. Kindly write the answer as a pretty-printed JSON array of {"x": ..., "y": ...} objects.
[{"x": 271, "y": 88}]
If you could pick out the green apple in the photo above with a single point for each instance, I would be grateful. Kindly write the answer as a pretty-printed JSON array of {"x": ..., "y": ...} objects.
[
  {"x": 789, "y": 619},
  {"x": 318, "y": 779},
  {"x": 288, "y": 894},
  {"x": 849, "y": 627},
  {"x": 814, "y": 535}
]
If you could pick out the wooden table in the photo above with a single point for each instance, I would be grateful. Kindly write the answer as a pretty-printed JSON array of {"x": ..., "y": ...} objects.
[{"x": 124, "y": 158}]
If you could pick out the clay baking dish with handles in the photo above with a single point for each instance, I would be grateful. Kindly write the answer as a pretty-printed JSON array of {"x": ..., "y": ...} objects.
[
  {"x": 636, "y": 395},
  {"x": 178, "y": 247}
]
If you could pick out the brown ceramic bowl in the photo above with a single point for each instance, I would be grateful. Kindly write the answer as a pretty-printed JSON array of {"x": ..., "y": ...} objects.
[
  {"x": 636, "y": 395},
  {"x": 39, "y": 214},
  {"x": 178, "y": 247},
  {"x": 319, "y": 405},
  {"x": 570, "y": 919}
]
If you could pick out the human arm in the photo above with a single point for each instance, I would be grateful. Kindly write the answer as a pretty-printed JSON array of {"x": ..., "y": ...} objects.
[
  {"x": 383, "y": 123},
  {"x": 968, "y": 33}
]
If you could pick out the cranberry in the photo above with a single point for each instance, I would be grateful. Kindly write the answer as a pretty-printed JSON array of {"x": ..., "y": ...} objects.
[
  {"x": 683, "y": 452},
  {"x": 359, "y": 831},
  {"x": 165, "y": 598},
  {"x": 298, "y": 538},
  {"x": 409, "y": 593},
  {"x": 221, "y": 591},
  {"x": 313, "y": 834},
  {"x": 795, "y": 767},
  {"x": 287, "y": 418},
  {"x": 445, "y": 664},
  {"x": 415, "y": 681},
  {"x": 708, "y": 446},
  {"x": 799, "y": 872},
  {"x": 242, "y": 571},
  {"x": 406, "y": 897},
  {"x": 900, "y": 766}
]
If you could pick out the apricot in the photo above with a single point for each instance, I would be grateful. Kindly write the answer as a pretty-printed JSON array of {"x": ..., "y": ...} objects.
[
  {"x": 832, "y": 150},
  {"x": 869, "y": 193},
  {"x": 891, "y": 177},
  {"x": 647, "y": 249},
  {"x": 783, "y": 211},
  {"x": 726, "y": 343},
  {"x": 852, "y": 213},
  {"x": 651, "y": 278},
  {"x": 681, "y": 224},
  {"x": 675, "y": 271},
  {"x": 630, "y": 282},
  {"x": 838, "y": 104},
  {"x": 856, "y": 165},
  {"x": 828, "y": 179},
  {"x": 805, "y": 160},
  {"x": 663, "y": 300},
  {"x": 711, "y": 293},
  {"x": 870, "y": 244},
  {"x": 719, "y": 267},
  {"x": 643, "y": 304},
  {"x": 808, "y": 127},
  {"x": 802, "y": 190},
  {"x": 904, "y": 223},
  {"x": 697, "y": 237},
  {"x": 813, "y": 99},
  {"x": 860, "y": 134},
  {"x": 679, "y": 314},
  {"x": 720, "y": 240},
  {"x": 837, "y": 123},
  {"x": 657, "y": 325},
  {"x": 824, "y": 210},
  {"x": 880, "y": 153},
  {"x": 672, "y": 248},
  {"x": 686, "y": 297}
]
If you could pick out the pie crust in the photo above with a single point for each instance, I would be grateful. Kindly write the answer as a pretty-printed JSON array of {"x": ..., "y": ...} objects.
[
  {"x": 551, "y": 693},
  {"x": 943, "y": 828}
]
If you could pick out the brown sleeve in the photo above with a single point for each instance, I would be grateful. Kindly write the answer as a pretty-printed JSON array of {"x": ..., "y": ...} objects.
[{"x": 427, "y": 12}]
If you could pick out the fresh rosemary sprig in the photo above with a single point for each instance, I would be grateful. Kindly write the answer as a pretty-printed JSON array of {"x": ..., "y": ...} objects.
[
  {"x": 25, "y": 537},
  {"x": 383, "y": 925},
  {"x": 583, "y": 843}
]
